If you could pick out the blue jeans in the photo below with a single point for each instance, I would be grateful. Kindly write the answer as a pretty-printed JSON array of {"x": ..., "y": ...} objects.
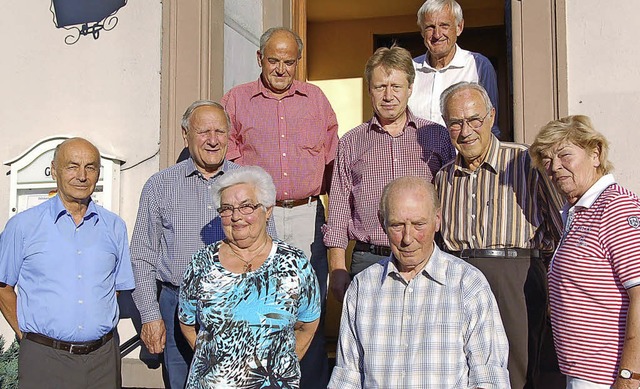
[{"x": 177, "y": 352}]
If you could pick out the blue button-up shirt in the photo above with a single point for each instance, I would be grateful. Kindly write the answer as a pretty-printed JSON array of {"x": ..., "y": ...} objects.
[{"x": 67, "y": 275}]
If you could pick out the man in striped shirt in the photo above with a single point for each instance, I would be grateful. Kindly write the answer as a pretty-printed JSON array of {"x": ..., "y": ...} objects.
[
  {"x": 501, "y": 215},
  {"x": 394, "y": 143},
  {"x": 289, "y": 128}
]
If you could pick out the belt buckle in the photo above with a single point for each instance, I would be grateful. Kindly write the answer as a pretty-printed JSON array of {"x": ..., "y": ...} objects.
[
  {"x": 510, "y": 253},
  {"x": 287, "y": 203},
  {"x": 72, "y": 347}
]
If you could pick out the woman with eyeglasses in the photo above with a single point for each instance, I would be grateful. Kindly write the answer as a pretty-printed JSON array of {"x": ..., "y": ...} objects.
[{"x": 249, "y": 304}]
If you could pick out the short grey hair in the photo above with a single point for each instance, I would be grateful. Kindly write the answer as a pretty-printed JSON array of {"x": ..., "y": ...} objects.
[
  {"x": 251, "y": 175},
  {"x": 186, "y": 117},
  {"x": 431, "y": 6},
  {"x": 404, "y": 183},
  {"x": 460, "y": 86},
  {"x": 264, "y": 39}
]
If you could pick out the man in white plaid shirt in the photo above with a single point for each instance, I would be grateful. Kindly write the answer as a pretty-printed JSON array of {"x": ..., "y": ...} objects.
[{"x": 421, "y": 318}]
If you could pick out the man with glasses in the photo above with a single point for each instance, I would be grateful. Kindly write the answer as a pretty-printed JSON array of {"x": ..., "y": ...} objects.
[
  {"x": 394, "y": 143},
  {"x": 501, "y": 215}
]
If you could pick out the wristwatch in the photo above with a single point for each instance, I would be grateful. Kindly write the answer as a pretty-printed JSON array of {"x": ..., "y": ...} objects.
[{"x": 628, "y": 374}]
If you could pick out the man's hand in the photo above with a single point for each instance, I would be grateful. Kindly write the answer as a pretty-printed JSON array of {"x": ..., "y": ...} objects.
[
  {"x": 154, "y": 336},
  {"x": 339, "y": 281},
  {"x": 339, "y": 278}
]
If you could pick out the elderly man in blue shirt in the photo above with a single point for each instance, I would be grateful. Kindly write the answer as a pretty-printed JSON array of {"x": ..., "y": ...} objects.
[
  {"x": 67, "y": 257},
  {"x": 420, "y": 318}
]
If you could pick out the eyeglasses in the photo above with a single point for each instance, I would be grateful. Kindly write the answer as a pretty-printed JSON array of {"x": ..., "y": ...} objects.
[
  {"x": 245, "y": 209},
  {"x": 474, "y": 122}
]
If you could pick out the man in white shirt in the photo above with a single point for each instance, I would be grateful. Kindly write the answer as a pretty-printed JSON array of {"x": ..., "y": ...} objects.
[{"x": 445, "y": 63}]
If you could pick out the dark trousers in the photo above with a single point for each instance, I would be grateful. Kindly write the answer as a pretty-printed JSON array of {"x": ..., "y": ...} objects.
[
  {"x": 520, "y": 288},
  {"x": 314, "y": 366},
  {"x": 177, "y": 352},
  {"x": 44, "y": 367}
]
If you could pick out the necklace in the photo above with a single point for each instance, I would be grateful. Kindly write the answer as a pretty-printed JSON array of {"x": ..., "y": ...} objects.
[{"x": 247, "y": 263}]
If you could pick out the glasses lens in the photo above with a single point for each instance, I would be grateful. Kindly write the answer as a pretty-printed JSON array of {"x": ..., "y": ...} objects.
[
  {"x": 246, "y": 209},
  {"x": 475, "y": 123}
]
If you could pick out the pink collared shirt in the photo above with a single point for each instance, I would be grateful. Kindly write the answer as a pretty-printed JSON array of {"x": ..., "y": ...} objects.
[
  {"x": 368, "y": 159},
  {"x": 293, "y": 138}
]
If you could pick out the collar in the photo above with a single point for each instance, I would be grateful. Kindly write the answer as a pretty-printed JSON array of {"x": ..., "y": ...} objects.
[
  {"x": 591, "y": 195},
  {"x": 374, "y": 123},
  {"x": 58, "y": 210},
  {"x": 435, "y": 269},
  {"x": 457, "y": 62},
  {"x": 190, "y": 168},
  {"x": 297, "y": 87},
  {"x": 490, "y": 161}
]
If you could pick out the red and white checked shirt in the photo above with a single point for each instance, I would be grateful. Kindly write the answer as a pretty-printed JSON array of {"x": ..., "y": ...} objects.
[
  {"x": 292, "y": 138},
  {"x": 596, "y": 263},
  {"x": 368, "y": 159}
]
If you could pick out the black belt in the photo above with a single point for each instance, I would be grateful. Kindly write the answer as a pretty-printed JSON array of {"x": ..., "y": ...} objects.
[
  {"x": 169, "y": 285},
  {"x": 497, "y": 253},
  {"x": 295, "y": 203},
  {"x": 372, "y": 248},
  {"x": 73, "y": 348}
]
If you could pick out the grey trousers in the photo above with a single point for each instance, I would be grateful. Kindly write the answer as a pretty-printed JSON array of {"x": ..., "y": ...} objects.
[{"x": 42, "y": 367}]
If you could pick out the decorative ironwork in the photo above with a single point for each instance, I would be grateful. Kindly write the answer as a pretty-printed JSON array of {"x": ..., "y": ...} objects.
[{"x": 69, "y": 14}]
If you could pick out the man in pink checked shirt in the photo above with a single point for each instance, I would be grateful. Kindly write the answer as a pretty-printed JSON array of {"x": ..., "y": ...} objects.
[
  {"x": 288, "y": 128},
  {"x": 394, "y": 143}
]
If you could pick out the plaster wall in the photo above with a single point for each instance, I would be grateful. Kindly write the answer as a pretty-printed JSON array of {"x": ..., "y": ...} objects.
[
  {"x": 603, "y": 77},
  {"x": 106, "y": 90}
]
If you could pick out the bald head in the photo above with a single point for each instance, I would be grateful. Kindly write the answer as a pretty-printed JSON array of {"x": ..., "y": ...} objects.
[{"x": 396, "y": 189}]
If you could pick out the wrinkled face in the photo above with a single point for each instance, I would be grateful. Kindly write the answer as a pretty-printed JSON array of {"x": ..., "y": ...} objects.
[
  {"x": 441, "y": 32},
  {"x": 243, "y": 230},
  {"x": 279, "y": 62},
  {"x": 411, "y": 225},
  {"x": 389, "y": 91},
  {"x": 207, "y": 139},
  {"x": 467, "y": 108},
  {"x": 572, "y": 169},
  {"x": 76, "y": 170}
]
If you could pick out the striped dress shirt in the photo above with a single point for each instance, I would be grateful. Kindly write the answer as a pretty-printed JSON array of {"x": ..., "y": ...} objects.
[
  {"x": 368, "y": 159},
  {"x": 176, "y": 218},
  {"x": 442, "y": 329},
  {"x": 506, "y": 202}
]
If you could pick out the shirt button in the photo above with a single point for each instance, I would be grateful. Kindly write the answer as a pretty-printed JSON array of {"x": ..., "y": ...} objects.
[
  {"x": 473, "y": 216},
  {"x": 281, "y": 117},
  {"x": 284, "y": 154},
  {"x": 409, "y": 290},
  {"x": 286, "y": 193},
  {"x": 79, "y": 252},
  {"x": 282, "y": 136},
  {"x": 285, "y": 174},
  {"x": 79, "y": 276},
  {"x": 80, "y": 301},
  {"x": 209, "y": 207},
  {"x": 80, "y": 327},
  {"x": 473, "y": 195}
]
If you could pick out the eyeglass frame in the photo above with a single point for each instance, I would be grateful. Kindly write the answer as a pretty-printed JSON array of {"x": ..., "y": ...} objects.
[
  {"x": 239, "y": 208},
  {"x": 466, "y": 121}
]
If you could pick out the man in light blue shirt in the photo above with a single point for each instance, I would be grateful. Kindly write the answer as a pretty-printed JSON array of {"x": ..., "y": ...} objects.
[
  {"x": 420, "y": 318},
  {"x": 67, "y": 258}
]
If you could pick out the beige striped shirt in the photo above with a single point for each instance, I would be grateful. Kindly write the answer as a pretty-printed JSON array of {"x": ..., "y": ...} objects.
[{"x": 506, "y": 202}]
